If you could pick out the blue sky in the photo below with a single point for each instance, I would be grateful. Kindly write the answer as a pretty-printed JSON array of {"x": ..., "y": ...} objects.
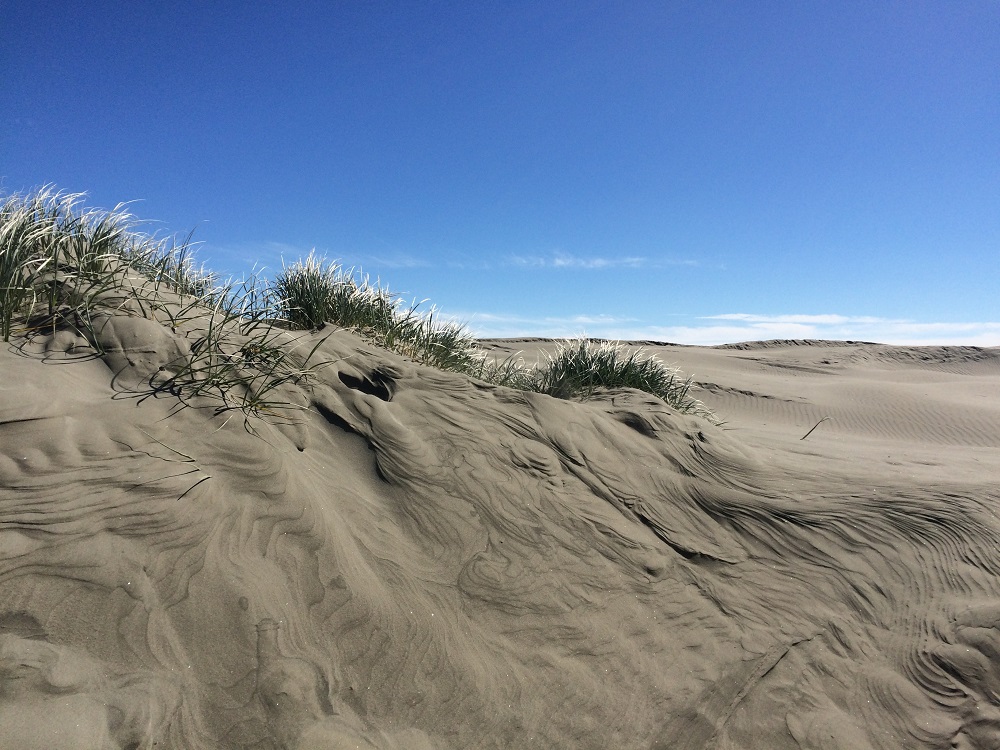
[{"x": 696, "y": 172}]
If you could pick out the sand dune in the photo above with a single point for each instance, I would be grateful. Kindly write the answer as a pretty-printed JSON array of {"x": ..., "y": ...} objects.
[{"x": 417, "y": 560}]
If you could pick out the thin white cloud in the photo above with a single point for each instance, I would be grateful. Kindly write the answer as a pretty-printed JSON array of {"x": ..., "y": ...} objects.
[
  {"x": 567, "y": 261},
  {"x": 564, "y": 261},
  {"x": 397, "y": 260}
]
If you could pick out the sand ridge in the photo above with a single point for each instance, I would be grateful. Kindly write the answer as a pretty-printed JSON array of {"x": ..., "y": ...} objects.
[{"x": 418, "y": 560}]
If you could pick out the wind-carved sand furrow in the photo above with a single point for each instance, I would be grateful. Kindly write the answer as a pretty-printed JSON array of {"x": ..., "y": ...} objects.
[
  {"x": 473, "y": 582},
  {"x": 99, "y": 547},
  {"x": 940, "y": 534}
]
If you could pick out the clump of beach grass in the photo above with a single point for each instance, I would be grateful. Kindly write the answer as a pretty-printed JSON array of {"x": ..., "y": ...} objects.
[
  {"x": 55, "y": 260},
  {"x": 64, "y": 267},
  {"x": 314, "y": 291},
  {"x": 59, "y": 261},
  {"x": 581, "y": 367}
]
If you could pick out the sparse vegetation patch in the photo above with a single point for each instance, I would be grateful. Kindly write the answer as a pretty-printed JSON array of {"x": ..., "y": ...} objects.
[{"x": 65, "y": 267}]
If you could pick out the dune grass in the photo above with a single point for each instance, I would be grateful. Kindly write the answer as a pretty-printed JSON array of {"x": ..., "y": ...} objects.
[
  {"x": 65, "y": 268},
  {"x": 238, "y": 358},
  {"x": 59, "y": 261},
  {"x": 581, "y": 367},
  {"x": 61, "y": 265},
  {"x": 314, "y": 291},
  {"x": 54, "y": 260}
]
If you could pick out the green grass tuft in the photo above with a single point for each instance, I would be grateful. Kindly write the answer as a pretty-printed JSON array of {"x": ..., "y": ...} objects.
[
  {"x": 58, "y": 261},
  {"x": 314, "y": 292},
  {"x": 581, "y": 367}
]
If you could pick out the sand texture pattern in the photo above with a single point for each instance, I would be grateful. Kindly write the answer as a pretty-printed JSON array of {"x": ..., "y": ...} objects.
[{"x": 414, "y": 559}]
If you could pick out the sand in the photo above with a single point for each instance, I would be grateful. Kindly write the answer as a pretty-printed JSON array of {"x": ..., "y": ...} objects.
[{"x": 417, "y": 560}]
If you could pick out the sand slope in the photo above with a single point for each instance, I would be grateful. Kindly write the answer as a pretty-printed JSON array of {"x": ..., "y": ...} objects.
[{"x": 416, "y": 560}]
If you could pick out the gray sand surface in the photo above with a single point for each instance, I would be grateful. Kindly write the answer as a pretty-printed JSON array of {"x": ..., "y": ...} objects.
[{"x": 417, "y": 560}]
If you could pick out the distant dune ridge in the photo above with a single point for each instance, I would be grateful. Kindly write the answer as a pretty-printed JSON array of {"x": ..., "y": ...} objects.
[{"x": 219, "y": 533}]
